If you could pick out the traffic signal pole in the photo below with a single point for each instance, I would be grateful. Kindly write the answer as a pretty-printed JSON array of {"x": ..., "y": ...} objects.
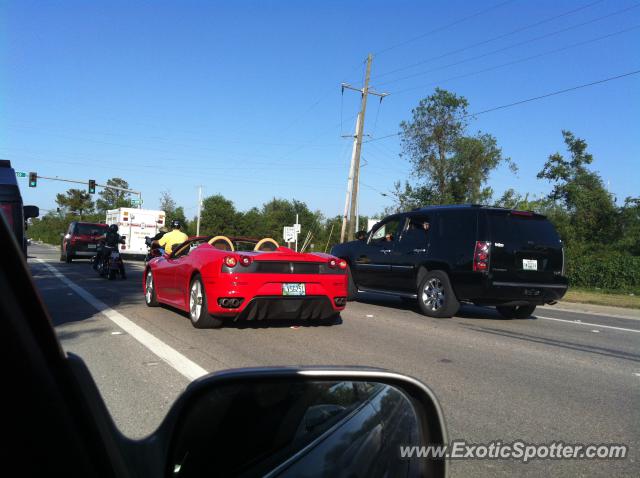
[{"x": 104, "y": 186}]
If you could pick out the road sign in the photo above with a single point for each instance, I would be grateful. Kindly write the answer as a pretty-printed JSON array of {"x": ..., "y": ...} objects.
[
  {"x": 296, "y": 227},
  {"x": 21, "y": 174},
  {"x": 289, "y": 234},
  {"x": 136, "y": 202}
]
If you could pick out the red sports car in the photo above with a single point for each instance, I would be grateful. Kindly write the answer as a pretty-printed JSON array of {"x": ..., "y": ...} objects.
[{"x": 219, "y": 278}]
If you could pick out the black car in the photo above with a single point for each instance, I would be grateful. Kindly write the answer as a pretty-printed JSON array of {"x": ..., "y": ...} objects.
[{"x": 444, "y": 255}]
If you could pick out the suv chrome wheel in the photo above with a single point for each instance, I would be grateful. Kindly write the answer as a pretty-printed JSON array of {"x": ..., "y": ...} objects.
[{"x": 433, "y": 294}]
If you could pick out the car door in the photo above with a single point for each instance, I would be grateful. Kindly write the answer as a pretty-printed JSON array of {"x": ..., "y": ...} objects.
[
  {"x": 372, "y": 266},
  {"x": 410, "y": 251}
]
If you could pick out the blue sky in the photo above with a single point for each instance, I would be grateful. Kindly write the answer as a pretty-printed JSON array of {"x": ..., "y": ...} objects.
[{"x": 244, "y": 97}]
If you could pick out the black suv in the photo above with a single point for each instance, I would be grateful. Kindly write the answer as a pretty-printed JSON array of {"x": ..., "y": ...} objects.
[{"x": 443, "y": 255}]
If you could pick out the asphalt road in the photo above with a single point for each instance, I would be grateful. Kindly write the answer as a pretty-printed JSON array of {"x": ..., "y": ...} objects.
[{"x": 558, "y": 376}]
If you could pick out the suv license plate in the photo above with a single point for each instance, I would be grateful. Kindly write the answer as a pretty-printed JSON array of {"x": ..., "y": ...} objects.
[
  {"x": 293, "y": 289},
  {"x": 91, "y": 246},
  {"x": 529, "y": 264}
]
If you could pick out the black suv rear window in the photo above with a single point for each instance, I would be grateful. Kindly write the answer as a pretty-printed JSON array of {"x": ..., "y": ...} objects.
[
  {"x": 91, "y": 229},
  {"x": 506, "y": 227}
]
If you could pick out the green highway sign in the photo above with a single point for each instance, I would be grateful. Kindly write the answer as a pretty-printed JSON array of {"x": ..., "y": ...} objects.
[
  {"x": 21, "y": 174},
  {"x": 135, "y": 202}
]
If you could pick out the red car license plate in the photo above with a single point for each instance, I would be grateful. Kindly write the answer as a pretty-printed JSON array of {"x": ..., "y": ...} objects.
[{"x": 293, "y": 289}]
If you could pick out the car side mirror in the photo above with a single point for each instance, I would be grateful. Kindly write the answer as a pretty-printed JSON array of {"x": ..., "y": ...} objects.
[
  {"x": 287, "y": 421},
  {"x": 30, "y": 211}
]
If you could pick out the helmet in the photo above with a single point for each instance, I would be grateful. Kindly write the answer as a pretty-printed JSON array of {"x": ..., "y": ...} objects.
[
  {"x": 113, "y": 228},
  {"x": 175, "y": 224}
]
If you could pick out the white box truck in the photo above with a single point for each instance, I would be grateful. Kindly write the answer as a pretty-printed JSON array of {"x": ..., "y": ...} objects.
[{"x": 135, "y": 224}]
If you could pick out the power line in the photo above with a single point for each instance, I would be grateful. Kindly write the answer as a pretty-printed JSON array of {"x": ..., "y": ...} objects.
[
  {"x": 535, "y": 98},
  {"x": 566, "y": 90},
  {"x": 509, "y": 47},
  {"x": 439, "y": 29},
  {"x": 489, "y": 40},
  {"x": 519, "y": 60}
]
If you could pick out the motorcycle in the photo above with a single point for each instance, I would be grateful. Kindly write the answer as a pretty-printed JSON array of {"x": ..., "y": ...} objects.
[
  {"x": 151, "y": 251},
  {"x": 108, "y": 263}
]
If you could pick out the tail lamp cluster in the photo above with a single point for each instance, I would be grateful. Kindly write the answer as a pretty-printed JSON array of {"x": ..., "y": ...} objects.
[
  {"x": 232, "y": 261},
  {"x": 337, "y": 264},
  {"x": 481, "y": 256}
]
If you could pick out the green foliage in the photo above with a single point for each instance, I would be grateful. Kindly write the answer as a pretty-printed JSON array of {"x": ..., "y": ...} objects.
[
  {"x": 75, "y": 201},
  {"x": 591, "y": 209},
  {"x": 604, "y": 269},
  {"x": 112, "y": 198},
  {"x": 218, "y": 216},
  {"x": 451, "y": 167}
]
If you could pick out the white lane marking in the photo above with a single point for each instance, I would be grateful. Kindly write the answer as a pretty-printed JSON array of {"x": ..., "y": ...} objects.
[
  {"x": 595, "y": 331},
  {"x": 584, "y": 312},
  {"x": 587, "y": 323},
  {"x": 175, "y": 359}
]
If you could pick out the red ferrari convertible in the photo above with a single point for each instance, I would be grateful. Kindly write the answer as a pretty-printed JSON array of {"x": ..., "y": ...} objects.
[{"x": 219, "y": 278}]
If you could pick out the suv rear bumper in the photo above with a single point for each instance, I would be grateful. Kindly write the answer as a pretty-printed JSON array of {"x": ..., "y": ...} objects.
[{"x": 514, "y": 293}]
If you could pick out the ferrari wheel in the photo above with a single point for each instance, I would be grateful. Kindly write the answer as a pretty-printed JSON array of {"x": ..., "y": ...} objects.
[
  {"x": 149, "y": 291},
  {"x": 198, "y": 310}
]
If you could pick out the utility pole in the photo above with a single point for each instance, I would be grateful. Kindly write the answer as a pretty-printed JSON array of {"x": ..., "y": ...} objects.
[
  {"x": 199, "y": 210},
  {"x": 354, "y": 168}
]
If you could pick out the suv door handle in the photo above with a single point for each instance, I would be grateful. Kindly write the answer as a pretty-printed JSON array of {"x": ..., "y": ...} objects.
[
  {"x": 385, "y": 251},
  {"x": 418, "y": 251}
]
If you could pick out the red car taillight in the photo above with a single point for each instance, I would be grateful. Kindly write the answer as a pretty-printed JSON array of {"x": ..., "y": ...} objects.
[
  {"x": 337, "y": 264},
  {"x": 333, "y": 263},
  {"x": 245, "y": 261},
  {"x": 481, "y": 256},
  {"x": 230, "y": 261},
  {"x": 342, "y": 264}
]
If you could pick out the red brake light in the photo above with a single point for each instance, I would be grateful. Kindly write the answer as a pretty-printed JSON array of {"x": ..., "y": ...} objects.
[
  {"x": 342, "y": 264},
  {"x": 333, "y": 263},
  {"x": 245, "y": 261},
  {"x": 481, "y": 256},
  {"x": 230, "y": 261}
]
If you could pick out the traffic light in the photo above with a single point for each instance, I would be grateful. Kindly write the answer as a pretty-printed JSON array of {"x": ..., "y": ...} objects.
[
  {"x": 33, "y": 180},
  {"x": 92, "y": 186}
]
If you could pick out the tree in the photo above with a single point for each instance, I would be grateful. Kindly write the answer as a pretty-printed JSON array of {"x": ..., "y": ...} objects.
[
  {"x": 219, "y": 216},
  {"x": 629, "y": 220},
  {"x": 113, "y": 198},
  {"x": 75, "y": 201},
  {"x": 450, "y": 166},
  {"x": 591, "y": 208},
  {"x": 167, "y": 204}
]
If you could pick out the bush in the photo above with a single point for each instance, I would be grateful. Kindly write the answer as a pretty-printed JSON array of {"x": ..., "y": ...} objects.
[{"x": 605, "y": 270}]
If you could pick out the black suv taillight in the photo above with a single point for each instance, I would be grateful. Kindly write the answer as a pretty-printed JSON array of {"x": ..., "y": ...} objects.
[{"x": 481, "y": 256}]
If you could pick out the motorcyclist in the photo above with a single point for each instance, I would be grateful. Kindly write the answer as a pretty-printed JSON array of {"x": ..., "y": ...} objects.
[
  {"x": 172, "y": 238},
  {"x": 149, "y": 242},
  {"x": 110, "y": 241}
]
